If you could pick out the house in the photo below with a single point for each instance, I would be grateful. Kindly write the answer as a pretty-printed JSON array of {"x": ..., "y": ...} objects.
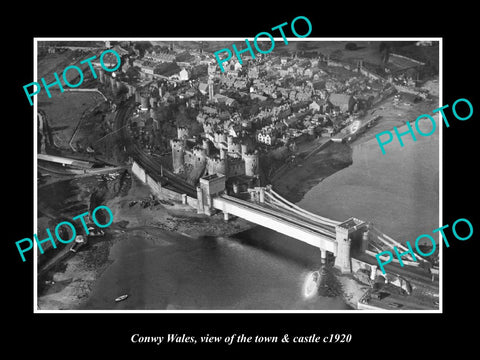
[
  {"x": 230, "y": 101},
  {"x": 257, "y": 96},
  {"x": 253, "y": 73},
  {"x": 159, "y": 57},
  {"x": 240, "y": 84},
  {"x": 137, "y": 63},
  {"x": 209, "y": 110},
  {"x": 223, "y": 99},
  {"x": 201, "y": 117},
  {"x": 302, "y": 96},
  {"x": 266, "y": 138},
  {"x": 315, "y": 106},
  {"x": 183, "y": 75}
]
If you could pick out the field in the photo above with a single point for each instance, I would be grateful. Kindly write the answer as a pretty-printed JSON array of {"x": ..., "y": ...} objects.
[{"x": 64, "y": 111}]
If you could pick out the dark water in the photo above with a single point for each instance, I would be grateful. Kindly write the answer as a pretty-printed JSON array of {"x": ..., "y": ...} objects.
[{"x": 162, "y": 271}]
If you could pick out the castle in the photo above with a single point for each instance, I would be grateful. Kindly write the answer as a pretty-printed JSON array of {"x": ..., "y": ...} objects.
[{"x": 219, "y": 153}]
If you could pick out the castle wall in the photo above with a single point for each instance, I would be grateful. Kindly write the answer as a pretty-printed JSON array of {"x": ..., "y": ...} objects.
[
  {"x": 178, "y": 153},
  {"x": 215, "y": 165},
  {"x": 196, "y": 157},
  {"x": 236, "y": 167}
]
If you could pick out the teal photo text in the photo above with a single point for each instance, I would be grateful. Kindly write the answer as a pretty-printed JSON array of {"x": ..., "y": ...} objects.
[
  {"x": 386, "y": 137},
  {"x": 74, "y": 68},
  {"x": 249, "y": 48},
  {"x": 65, "y": 224},
  {"x": 386, "y": 257}
]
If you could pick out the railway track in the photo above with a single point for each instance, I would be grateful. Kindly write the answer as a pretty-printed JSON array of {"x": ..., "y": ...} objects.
[{"x": 164, "y": 176}]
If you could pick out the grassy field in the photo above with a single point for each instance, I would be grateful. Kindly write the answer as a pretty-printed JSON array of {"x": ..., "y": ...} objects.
[{"x": 64, "y": 111}]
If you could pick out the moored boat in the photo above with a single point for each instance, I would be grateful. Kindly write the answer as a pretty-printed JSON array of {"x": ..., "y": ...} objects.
[{"x": 121, "y": 298}]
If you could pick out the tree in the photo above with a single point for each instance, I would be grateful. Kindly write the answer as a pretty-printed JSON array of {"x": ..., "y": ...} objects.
[
  {"x": 350, "y": 46},
  {"x": 132, "y": 73},
  {"x": 143, "y": 46}
]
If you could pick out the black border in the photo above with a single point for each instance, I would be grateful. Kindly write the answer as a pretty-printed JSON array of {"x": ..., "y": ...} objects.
[{"x": 110, "y": 333}]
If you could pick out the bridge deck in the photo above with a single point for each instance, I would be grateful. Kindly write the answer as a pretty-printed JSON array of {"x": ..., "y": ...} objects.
[{"x": 278, "y": 221}]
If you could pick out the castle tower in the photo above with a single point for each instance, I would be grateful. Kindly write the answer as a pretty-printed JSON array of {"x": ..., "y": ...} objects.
[
  {"x": 251, "y": 164},
  {"x": 206, "y": 146},
  {"x": 153, "y": 102},
  {"x": 215, "y": 165},
  {"x": 244, "y": 149},
  {"x": 200, "y": 156},
  {"x": 178, "y": 153},
  {"x": 182, "y": 133},
  {"x": 236, "y": 149},
  {"x": 223, "y": 153},
  {"x": 222, "y": 137}
]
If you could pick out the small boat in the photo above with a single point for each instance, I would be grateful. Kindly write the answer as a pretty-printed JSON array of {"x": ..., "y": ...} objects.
[{"x": 121, "y": 298}]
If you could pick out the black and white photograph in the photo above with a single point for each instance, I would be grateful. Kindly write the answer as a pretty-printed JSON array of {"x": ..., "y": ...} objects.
[
  {"x": 255, "y": 183},
  {"x": 211, "y": 179}
]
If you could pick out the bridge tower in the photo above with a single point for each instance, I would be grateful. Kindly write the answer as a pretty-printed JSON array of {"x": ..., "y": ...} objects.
[
  {"x": 210, "y": 186},
  {"x": 349, "y": 236},
  {"x": 343, "y": 260}
]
